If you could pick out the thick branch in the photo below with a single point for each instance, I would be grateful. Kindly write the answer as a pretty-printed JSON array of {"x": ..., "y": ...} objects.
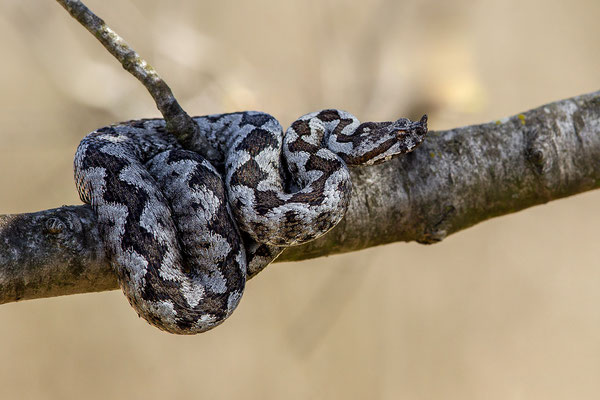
[
  {"x": 178, "y": 122},
  {"x": 456, "y": 179}
]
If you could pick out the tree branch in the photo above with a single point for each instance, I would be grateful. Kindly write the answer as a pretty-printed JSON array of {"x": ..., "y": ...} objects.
[
  {"x": 457, "y": 178},
  {"x": 178, "y": 122}
]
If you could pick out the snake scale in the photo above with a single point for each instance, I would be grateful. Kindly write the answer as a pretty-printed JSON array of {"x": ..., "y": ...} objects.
[{"x": 183, "y": 234}]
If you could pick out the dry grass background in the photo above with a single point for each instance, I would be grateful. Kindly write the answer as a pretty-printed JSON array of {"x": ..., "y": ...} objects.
[{"x": 509, "y": 309}]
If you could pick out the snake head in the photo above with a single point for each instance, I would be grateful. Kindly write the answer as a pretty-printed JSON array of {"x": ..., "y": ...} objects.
[{"x": 377, "y": 142}]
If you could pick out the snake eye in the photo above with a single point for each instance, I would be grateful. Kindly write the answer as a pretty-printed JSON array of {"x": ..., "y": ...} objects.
[{"x": 400, "y": 133}]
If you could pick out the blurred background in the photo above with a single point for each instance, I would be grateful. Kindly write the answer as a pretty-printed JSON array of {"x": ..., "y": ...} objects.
[{"x": 509, "y": 309}]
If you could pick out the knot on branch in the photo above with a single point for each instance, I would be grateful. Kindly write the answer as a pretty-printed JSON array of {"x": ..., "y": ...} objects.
[
  {"x": 536, "y": 152},
  {"x": 438, "y": 230},
  {"x": 65, "y": 229},
  {"x": 55, "y": 226}
]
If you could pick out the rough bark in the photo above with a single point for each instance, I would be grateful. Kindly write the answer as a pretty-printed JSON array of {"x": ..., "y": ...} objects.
[{"x": 456, "y": 179}]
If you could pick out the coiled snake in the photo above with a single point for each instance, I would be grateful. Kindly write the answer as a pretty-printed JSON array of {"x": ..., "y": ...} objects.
[{"x": 184, "y": 234}]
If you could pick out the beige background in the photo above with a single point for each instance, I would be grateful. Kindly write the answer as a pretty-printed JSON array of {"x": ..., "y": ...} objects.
[{"x": 509, "y": 309}]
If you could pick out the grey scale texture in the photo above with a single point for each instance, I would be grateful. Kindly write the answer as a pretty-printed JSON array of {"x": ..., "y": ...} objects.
[
  {"x": 169, "y": 218},
  {"x": 455, "y": 179}
]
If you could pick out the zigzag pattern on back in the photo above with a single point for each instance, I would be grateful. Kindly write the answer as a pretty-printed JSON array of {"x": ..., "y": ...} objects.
[{"x": 183, "y": 235}]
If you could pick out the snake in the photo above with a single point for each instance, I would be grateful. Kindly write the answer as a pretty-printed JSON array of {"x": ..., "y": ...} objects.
[{"x": 184, "y": 233}]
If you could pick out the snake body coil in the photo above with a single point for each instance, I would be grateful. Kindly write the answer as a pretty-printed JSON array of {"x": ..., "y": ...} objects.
[{"x": 183, "y": 234}]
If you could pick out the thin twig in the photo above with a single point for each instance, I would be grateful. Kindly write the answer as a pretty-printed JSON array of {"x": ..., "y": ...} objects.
[{"x": 179, "y": 123}]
